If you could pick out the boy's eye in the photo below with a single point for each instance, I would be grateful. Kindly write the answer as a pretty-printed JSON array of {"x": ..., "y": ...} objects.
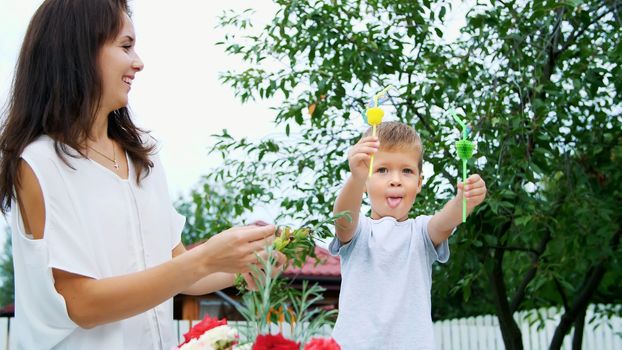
[
  {"x": 408, "y": 171},
  {"x": 126, "y": 47},
  {"x": 383, "y": 170}
]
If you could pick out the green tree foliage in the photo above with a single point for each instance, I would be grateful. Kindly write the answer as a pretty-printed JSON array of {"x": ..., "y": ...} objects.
[
  {"x": 539, "y": 82},
  {"x": 7, "y": 281},
  {"x": 209, "y": 210}
]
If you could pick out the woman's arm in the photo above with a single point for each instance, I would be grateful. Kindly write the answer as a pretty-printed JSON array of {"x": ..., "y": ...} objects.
[
  {"x": 208, "y": 284},
  {"x": 91, "y": 302}
]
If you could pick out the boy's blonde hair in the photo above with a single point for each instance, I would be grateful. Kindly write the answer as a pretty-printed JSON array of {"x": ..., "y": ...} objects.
[{"x": 398, "y": 136}]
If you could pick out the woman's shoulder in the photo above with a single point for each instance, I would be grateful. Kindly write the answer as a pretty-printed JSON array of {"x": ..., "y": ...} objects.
[
  {"x": 42, "y": 146},
  {"x": 45, "y": 150}
]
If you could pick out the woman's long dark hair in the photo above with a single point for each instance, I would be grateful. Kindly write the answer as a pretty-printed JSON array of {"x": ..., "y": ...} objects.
[{"x": 57, "y": 87}]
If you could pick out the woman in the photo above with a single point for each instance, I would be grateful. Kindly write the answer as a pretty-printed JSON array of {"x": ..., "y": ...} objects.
[{"x": 96, "y": 242}]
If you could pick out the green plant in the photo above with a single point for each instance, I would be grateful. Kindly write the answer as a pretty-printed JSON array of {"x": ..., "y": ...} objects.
[
  {"x": 274, "y": 304},
  {"x": 299, "y": 244},
  {"x": 7, "y": 276}
]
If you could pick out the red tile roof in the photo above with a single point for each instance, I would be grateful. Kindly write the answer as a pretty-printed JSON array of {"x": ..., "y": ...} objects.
[
  {"x": 7, "y": 310},
  {"x": 327, "y": 267}
]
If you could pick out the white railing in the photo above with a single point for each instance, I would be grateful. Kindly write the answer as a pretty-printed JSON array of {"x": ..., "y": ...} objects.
[
  {"x": 483, "y": 332},
  {"x": 477, "y": 333}
]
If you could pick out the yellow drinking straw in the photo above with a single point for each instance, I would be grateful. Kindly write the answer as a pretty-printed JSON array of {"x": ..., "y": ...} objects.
[{"x": 374, "y": 117}]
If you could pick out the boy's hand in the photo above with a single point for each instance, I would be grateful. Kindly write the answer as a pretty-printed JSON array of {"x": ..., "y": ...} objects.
[
  {"x": 359, "y": 156},
  {"x": 442, "y": 223},
  {"x": 474, "y": 189}
]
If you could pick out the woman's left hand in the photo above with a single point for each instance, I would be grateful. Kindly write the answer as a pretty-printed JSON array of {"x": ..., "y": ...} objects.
[{"x": 259, "y": 275}]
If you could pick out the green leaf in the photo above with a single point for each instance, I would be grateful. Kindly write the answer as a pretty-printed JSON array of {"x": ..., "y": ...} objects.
[
  {"x": 298, "y": 117},
  {"x": 523, "y": 220}
]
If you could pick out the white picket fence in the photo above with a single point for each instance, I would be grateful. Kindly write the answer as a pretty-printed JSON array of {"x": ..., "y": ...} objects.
[
  {"x": 477, "y": 333},
  {"x": 483, "y": 332}
]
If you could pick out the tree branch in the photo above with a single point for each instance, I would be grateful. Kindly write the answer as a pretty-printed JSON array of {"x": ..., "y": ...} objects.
[
  {"x": 519, "y": 296},
  {"x": 578, "y": 32},
  {"x": 510, "y": 9},
  {"x": 509, "y": 329},
  {"x": 590, "y": 283},
  {"x": 513, "y": 248},
  {"x": 579, "y": 324},
  {"x": 560, "y": 290}
]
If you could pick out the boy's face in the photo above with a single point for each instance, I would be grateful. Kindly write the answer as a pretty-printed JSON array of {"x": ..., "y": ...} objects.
[{"x": 394, "y": 184}]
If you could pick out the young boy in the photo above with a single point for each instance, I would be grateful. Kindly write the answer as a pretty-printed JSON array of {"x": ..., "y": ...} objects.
[{"x": 386, "y": 259}]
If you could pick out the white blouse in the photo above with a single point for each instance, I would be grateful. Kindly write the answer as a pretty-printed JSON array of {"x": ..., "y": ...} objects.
[{"x": 97, "y": 225}]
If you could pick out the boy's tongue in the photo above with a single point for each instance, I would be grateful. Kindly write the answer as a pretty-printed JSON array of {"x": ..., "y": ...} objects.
[{"x": 393, "y": 202}]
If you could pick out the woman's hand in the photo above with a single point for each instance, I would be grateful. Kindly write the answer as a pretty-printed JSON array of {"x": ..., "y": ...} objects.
[
  {"x": 259, "y": 275},
  {"x": 235, "y": 249}
]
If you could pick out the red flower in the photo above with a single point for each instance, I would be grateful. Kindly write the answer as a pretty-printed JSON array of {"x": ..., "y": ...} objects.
[
  {"x": 198, "y": 329},
  {"x": 274, "y": 342},
  {"x": 322, "y": 344}
]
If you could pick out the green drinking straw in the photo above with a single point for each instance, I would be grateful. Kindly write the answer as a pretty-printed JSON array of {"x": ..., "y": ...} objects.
[{"x": 464, "y": 148}]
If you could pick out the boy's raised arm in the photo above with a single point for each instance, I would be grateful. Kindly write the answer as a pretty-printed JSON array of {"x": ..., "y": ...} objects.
[
  {"x": 349, "y": 199},
  {"x": 443, "y": 222},
  {"x": 351, "y": 196}
]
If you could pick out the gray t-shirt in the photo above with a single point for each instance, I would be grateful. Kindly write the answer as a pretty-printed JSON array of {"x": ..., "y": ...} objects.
[{"x": 386, "y": 271}]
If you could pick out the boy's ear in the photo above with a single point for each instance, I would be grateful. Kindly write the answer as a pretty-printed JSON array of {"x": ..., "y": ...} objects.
[{"x": 420, "y": 184}]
